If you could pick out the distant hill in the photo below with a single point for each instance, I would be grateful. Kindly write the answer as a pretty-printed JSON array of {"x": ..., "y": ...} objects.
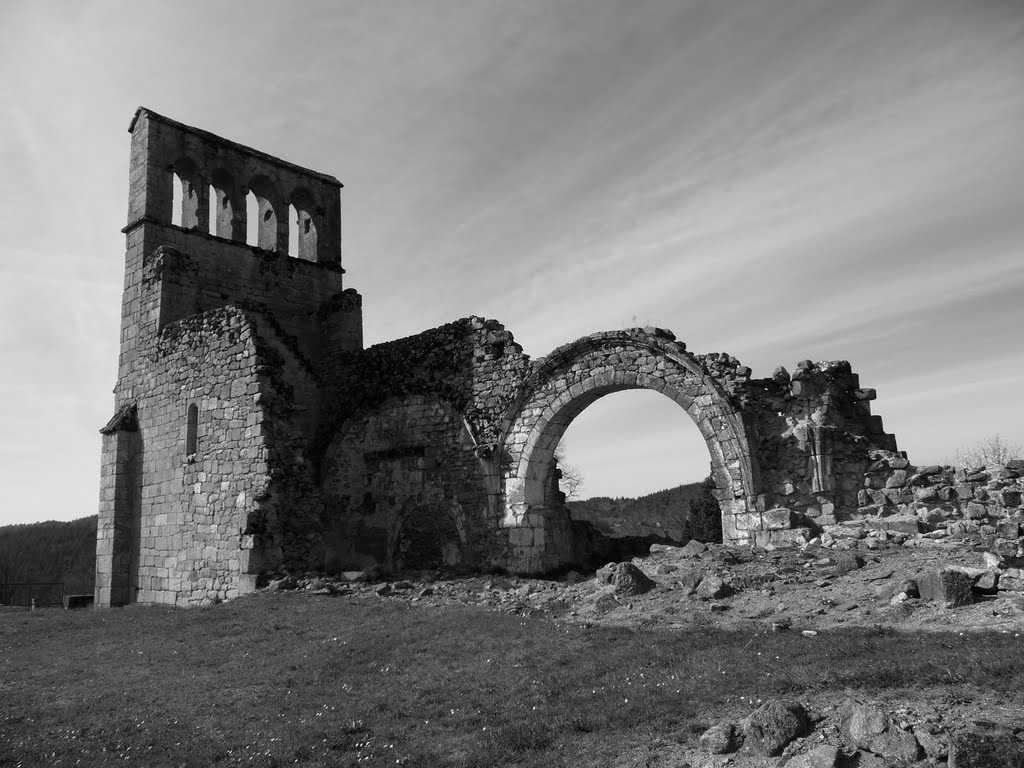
[
  {"x": 663, "y": 514},
  {"x": 48, "y": 552}
]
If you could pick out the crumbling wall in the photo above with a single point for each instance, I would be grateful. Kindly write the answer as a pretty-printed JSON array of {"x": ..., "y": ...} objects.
[
  {"x": 900, "y": 497},
  {"x": 407, "y": 448},
  {"x": 403, "y": 489},
  {"x": 815, "y": 432}
]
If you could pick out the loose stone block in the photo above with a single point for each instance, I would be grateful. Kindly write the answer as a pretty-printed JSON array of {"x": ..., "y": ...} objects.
[{"x": 949, "y": 587}]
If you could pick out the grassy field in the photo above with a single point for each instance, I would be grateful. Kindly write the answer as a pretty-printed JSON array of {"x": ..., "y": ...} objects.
[{"x": 276, "y": 680}]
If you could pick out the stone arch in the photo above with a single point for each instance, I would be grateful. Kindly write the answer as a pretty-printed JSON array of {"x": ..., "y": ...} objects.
[
  {"x": 194, "y": 212},
  {"x": 271, "y": 215},
  {"x": 578, "y": 374},
  {"x": 227, "y": 218},
  {"x": 308, "y": 222}
]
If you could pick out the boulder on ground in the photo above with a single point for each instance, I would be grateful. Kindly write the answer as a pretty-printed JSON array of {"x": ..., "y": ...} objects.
[
  {"x": 693, "y": 548},
  {"x": 626, "y": 579},
  {"x": 949, "y": 587},
  {"x": 713, "y": 588},
  {"x": 867, "y": 727},
  {"x": 687, "y": 581},
  {"x": 602, "y": 601},
  {"x": 773, "y": 725},
  {"x": 847, "y": 564},
  {"x": 721, "y": 739}
]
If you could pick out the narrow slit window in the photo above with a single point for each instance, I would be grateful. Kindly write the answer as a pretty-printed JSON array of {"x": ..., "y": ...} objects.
[{"x": 192, "y": 430}]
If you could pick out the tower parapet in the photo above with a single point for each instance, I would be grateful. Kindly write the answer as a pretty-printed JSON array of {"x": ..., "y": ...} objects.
[{"x": 165, "y": 151}]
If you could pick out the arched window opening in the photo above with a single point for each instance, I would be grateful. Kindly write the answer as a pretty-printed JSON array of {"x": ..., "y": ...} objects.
[
  {"x": 227, "y": 211},
  {"x": 192, "y": 431},
  {"x": 252, "y": 219},
  {"x": 633, "y": 466},
  {"x": 266, "y": 238},
  {"x": 271, "y": 231},
  {"x": 177, "y": 184},
  {"x": 190, "y": 208},
  {"x": 304, "y": 218},
  {"x": 294, "y": 222}
]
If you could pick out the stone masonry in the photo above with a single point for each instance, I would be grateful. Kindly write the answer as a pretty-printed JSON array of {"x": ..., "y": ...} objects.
[{"x": 253, "y": 433}]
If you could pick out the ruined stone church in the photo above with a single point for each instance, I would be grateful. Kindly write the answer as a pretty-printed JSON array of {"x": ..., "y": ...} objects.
[{"x": 253, "y": 432}]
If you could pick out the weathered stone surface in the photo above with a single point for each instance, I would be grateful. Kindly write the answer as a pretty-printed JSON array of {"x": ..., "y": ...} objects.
[
  {"x": 773, "y": 725},
  {"x": 867, "y": 727},
  {"x": 602, "y": 601},
  {"x": 985, "y": 749},
  {"x": 692, "y": 548},
  {"x": 1012, "y": 580},
  {"x": 846, "y": 563},
  {"x": 288, "y": 582},
  {"x": 721, "y": 739},
  {"x": 687, "y": 581},
  {"x": 713, "y": 587},
  {"x": 822, "y": 756},
  {"x": 625, "y": 579},
  {"x": 934, "y": 745},
  {"x": 946, "y": 586}
]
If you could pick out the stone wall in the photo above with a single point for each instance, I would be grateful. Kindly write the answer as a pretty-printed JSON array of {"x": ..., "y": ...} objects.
[
  {"x": 403, "y": 489},
  {"x": 198, "y": 489},
  {"x": 900, "y": 497},
  {"x": 815, "y": 432}
]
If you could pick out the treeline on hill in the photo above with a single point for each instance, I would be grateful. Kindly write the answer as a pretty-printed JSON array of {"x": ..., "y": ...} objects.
[
  {"x": 685, "y": 512},
  {"x": 53, "y": 551}
]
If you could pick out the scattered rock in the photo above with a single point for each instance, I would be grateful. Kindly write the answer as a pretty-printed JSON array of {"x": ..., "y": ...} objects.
[
  {"x": 934, "y": 746},
  {"x": 721, "y": 739},
  {"x": 288, "y": 582},
  {"x": 773, "y": 725},
  {"x": 693, "y": 548},
  {"x": 625, "y": 578},
  {"x": 949, "y": 587},
  {"x": 714, "y": 588},
  {"x": 867, "y": 727},
  {"x": 687, "y": 582},
  {"x": 602, "y": 601},
  {"x": 847, "y": 564},
  {"x": 822, "y": 756}
]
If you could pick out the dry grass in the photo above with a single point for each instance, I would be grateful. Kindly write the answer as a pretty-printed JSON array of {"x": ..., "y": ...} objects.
[{"x": 280, "y": 680}]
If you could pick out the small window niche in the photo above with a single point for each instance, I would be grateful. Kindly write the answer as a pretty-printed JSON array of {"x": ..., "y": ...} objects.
[{"x": 192, "y": 433}]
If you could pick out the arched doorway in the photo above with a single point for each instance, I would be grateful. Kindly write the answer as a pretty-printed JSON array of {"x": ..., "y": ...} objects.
[
  {"x": 632, "y": 467},
  {"x": 567, "y": 382}
]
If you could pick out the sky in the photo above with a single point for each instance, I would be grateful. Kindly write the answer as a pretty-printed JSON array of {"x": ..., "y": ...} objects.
[{"x": 775, "y": 179}]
